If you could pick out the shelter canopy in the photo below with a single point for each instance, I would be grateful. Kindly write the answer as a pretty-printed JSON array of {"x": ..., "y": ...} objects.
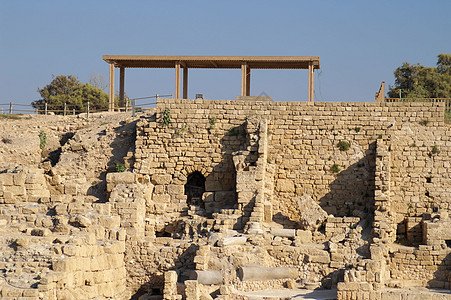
[
  {"x": 245, "y": 63},
  {"x": 213, "y": 62}
]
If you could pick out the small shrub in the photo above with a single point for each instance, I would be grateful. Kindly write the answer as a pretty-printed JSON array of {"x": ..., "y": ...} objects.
[
  {"x": 343, "y": 145},
  {"x": 42, "y": 139},
  {"x": 183, "y": 128},
  {"x": 167, "y": 117},
  {"x": 234, "y": 131},
  {"x": 335, "y": 168},
  {"x": 212, "y": 122},
  {"x": 357, "y": 129},
  {"x": 120, "y": 167},
  {"x": 435, "y": 150},
  {"x": 379, "y": 136}
]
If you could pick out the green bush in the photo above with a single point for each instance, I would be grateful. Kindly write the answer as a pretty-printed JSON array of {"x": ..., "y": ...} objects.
[
  {"x": 167, "y": 117},
  {"x": 343, "y": 145},
  {"x": 120, "y": 167},
  {"x": 42, "y": 139},
  {"x": 335, "y": 168}
]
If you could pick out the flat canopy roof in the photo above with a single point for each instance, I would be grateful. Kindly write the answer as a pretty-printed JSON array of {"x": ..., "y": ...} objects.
[{"x": 212, "y": 62}]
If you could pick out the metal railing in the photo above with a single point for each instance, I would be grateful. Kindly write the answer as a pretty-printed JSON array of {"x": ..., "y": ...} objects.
[
  {"x": 447, "y": 101},
  {"x": 15, "y": 108}
]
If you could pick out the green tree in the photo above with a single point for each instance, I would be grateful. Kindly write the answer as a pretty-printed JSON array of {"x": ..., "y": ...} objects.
[
  {"x": 67, "y": 89},
  {"x": 416, "y": 81}
]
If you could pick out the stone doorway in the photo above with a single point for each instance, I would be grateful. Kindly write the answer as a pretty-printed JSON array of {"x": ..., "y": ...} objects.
[{"x": 194, "y": 189}]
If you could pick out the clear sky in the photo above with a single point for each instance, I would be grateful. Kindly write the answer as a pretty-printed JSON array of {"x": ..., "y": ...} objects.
[{"x": 360, "y": 43}]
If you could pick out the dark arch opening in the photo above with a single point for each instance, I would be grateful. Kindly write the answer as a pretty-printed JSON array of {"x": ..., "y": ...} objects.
[{"x": 194, "y": 189}]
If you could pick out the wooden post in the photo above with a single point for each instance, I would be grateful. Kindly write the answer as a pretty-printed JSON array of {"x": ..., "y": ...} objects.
[
  {"x": 10, "y": 108},
  {"x": 111, "y": 96},
  {"x": 73, "y": 111},
  {"x": 121, "y": 87},
  {"x": 45, "y": 108},
  {"x": 87, "y": 110},
  {"x": 177, "y": 80},
  {"x": 65, "y": 106},
  {"x": 248, "y": 81},
  {"x": 185, "y": 82},
  {"x": 243, "y": 78},
  {"x": 310, "y": 82}
]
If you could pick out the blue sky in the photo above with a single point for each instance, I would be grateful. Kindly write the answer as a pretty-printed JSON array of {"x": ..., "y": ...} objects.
[{"x": 360, "y": 43}]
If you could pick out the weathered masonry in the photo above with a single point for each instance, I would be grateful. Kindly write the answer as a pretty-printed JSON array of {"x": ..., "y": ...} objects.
[
  {"x": 245, "y": 63},
  {"x": 224, "y": 198}
]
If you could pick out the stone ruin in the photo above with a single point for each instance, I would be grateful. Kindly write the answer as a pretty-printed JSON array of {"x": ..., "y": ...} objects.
[{"x": 226, "y": 199}]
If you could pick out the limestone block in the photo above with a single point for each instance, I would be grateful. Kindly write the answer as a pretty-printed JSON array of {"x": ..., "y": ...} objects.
[
  {"x": 35, "y": 178},
  {"x": 304, "y": 236},
  {"x": 192, "y": 290},
  {"x": 71, "y": 188},
  {"x": 338, "y": 238},
  {"x": 285, "y": 185},
  {"x": 161, "y": 179},
  {"x": 263, "y": 274},
  {"x": 323, "y": 259},
  {"x": 61, "y": 209},
  {"x": 176, "y": 189},
  {"x": 312, "y": 215},
  {"x": 19, "y": 178},
  {"x": 80, "y": 221},
  {"x": 7, "y": 179},
  {"x": 161, "y": 198},
  {"x": 15, "y": 190}
]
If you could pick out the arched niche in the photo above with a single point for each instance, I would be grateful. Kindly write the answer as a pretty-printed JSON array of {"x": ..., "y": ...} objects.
[{"x": 194, "y": 189}]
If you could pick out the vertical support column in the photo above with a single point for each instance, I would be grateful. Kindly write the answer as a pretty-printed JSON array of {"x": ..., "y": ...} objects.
[
  {"x": 248, "y": 81},
  {"x": 311, "y": 78},
  {"x": 244, "y": 79},
  {"x": 177, "y": 80},
  {"x": 121, "y": 87},
  {"x": 111, "y": 98},
  {"x": 185, "y": 82}
]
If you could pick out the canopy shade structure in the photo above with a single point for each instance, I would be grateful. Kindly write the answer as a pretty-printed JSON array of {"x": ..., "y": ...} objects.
[{"x": 245, "y": 63}]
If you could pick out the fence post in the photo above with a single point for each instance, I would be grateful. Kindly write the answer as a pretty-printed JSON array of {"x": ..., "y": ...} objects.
[
  {"x": 87, "y": 110},
  {"x": 64, "y": 109},
  {"x": 45, "y": 108},
  {"x": 73, "y": 110},
  {"x": 10, "y": 108},
  {"x": 37, "y": 110},
  {"x": 133, "y": 107}
]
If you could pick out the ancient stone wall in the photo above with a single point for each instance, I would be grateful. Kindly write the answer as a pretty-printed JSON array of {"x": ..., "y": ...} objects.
[{"x": 326, "y": 150}]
